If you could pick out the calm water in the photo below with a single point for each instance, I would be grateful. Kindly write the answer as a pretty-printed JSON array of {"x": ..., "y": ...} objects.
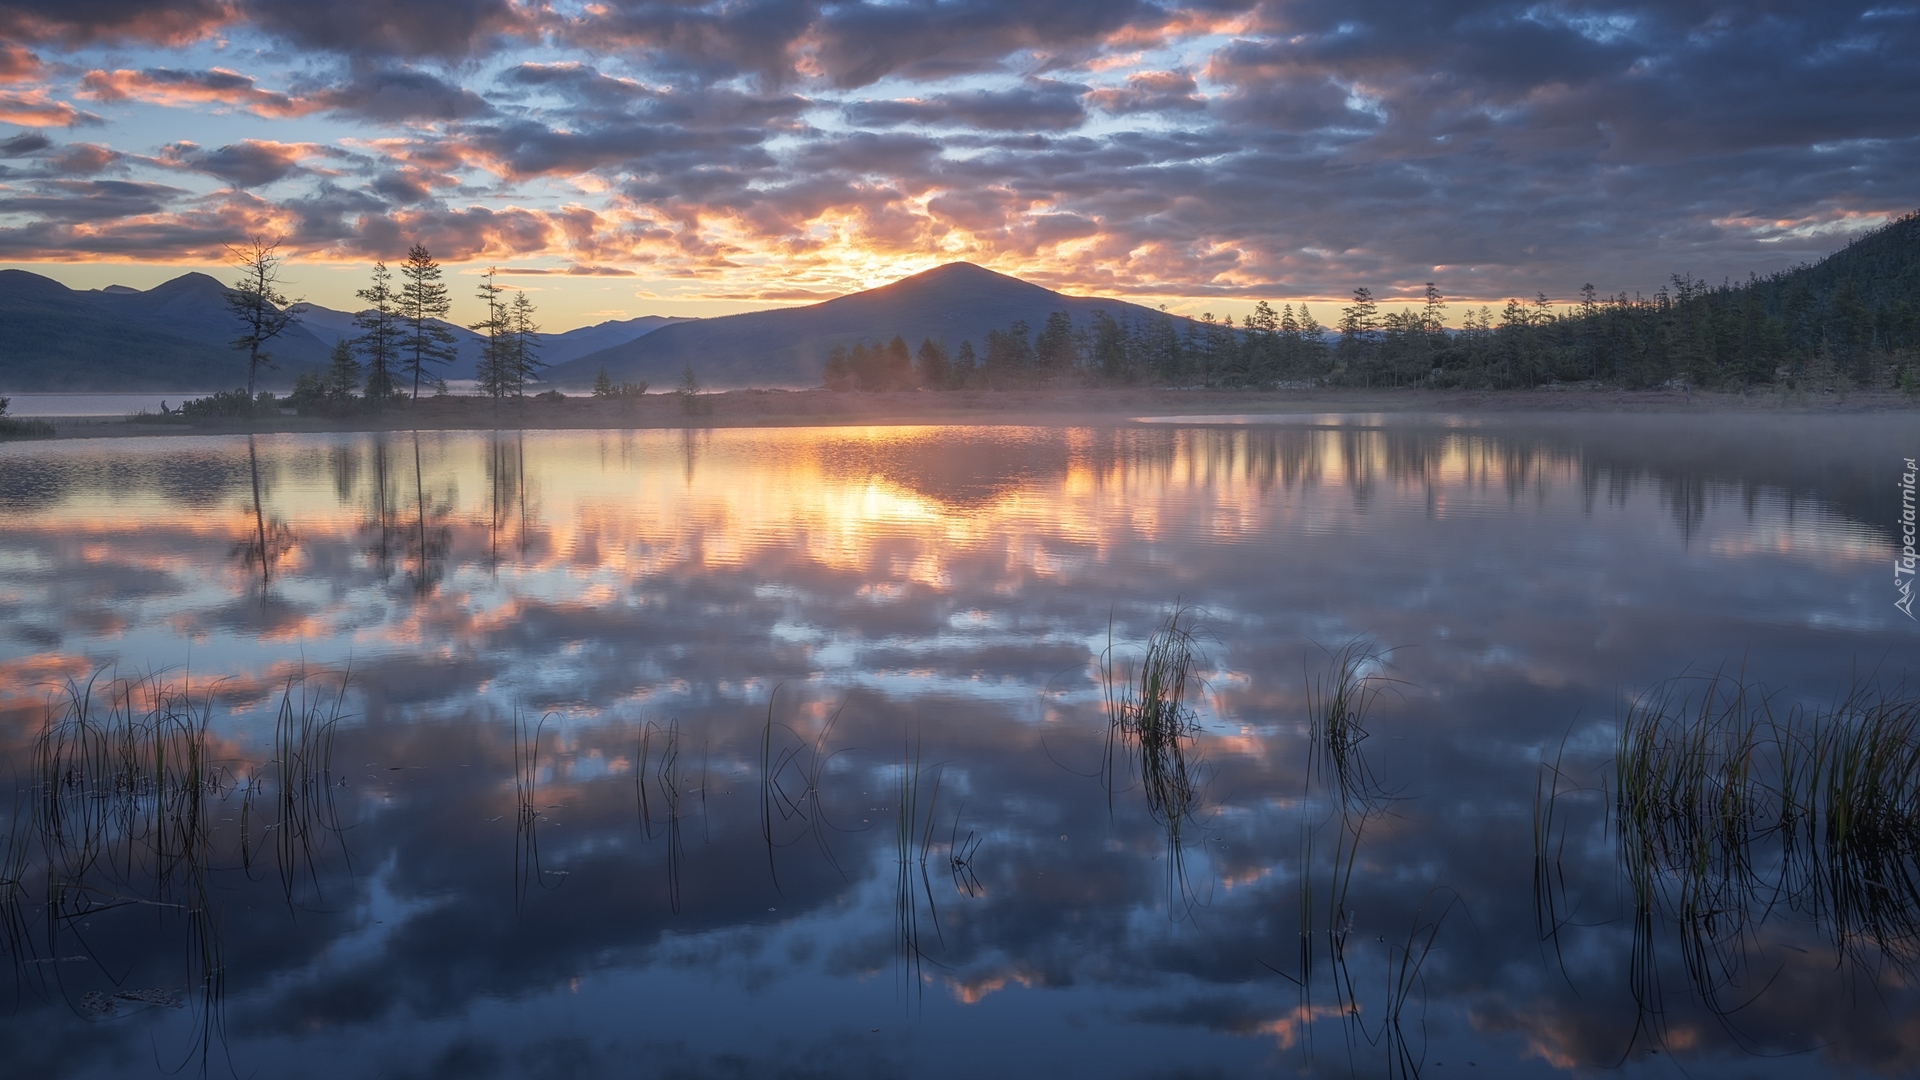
[{"x": 618, "y": 785}]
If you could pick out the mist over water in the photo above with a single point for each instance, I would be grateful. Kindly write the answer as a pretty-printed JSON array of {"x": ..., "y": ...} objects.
[{"x": 795, "y": 752}]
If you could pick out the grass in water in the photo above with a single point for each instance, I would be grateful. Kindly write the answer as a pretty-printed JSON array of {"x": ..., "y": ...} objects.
[
  {"x": 669, "y": 785},
  {"x": 1339, "y": 698},
  {"x": 1729, "y": 809},
  {"x": 125, "y": 810},
  {"x": 307, "y": 818},
  {"x": 526, "y": 790},
  {"x": 792, "y": 769},
  {"x": 1152, "y": 726},
  {"x": 913, "y": 839}
]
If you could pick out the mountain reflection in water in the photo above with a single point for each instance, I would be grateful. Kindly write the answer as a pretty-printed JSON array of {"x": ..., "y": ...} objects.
[{"x": 826, "y": 752}]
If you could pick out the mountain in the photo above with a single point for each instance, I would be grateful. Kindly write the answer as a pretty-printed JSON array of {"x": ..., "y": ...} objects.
[
  {"x": 178, "y": 336},
  {"x": 175, "y": 336},
  {"x": 557, "y": 349},
  {"x": 330, "y": 326},
  {"x": 1882, "y": 266},
  {"x": 788, "y": 346}
]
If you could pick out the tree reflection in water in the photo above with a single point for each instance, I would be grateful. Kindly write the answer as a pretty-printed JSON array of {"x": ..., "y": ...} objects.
[{"x": 957, "y": 583}]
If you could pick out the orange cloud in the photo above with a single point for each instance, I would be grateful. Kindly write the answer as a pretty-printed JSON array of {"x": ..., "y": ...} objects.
[
  {"x": 33, "y": 108},
  {"x": 18, "y": 65},
  {"x": 182, "y": 89}
]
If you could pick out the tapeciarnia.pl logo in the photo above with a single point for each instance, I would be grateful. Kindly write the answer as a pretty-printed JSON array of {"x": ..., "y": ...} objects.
[{"x": 1903, "y": 563}]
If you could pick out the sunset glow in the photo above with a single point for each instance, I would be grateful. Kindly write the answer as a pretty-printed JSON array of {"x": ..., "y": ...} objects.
[{"x": 629, "y": 158}]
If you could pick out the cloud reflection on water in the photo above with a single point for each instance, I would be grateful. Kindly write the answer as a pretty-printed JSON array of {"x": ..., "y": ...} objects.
[{"x": 956, "y": 583}]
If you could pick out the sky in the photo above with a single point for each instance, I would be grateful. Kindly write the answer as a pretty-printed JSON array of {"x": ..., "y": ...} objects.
[{"x": 619, "y": 158}]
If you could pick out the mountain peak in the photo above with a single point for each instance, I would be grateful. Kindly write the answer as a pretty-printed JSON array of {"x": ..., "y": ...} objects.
[
  {"x": 950, "y": 273},
  {"x": 954, "y": 303},
  {"x": 28, "y": 283},
  {"x": 954, "y": 282},
  {"x": 192, "y": 281}
]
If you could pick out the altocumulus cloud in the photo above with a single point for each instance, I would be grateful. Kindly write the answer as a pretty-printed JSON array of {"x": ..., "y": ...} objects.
[{"x": 1224, "y": 148}]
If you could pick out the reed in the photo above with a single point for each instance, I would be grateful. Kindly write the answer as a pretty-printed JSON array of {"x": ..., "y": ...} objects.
[
  {"x": 1340, "y": 696},
  {"x": 960, "y": 853},
  {"x": 913, "y": 839},
  {"x": 1406, "y": 974},
  {"x": 526, "y": 789},
  {"x": 667, "y": 782},
  {"x": 1150, "y": 716},
  {"x": 792, "y": 771},
  {"x": 1151, "y": 726},
  {"x": 308, "y": 818},
  {"x": 124, "y": 806},
  {"x": 1730, "y": 809},
  {"x": 124, "y": 786}
]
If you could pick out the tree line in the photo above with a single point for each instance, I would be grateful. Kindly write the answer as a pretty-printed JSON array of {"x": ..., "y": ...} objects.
[
  {"x": 403, "y": 338},
  {"x": 1850, "y": 320}
]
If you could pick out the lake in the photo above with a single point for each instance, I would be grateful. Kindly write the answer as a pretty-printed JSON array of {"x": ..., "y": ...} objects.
[{"x": 1335, "y": 745}]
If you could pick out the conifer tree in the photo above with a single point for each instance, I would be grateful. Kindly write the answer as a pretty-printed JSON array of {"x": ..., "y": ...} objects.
[
  {"x": 932, "y": 364},
  {"x": 965, "y": 364},
  {"x": 1359, "y": 320},
  {"x": 380, "y": 344},
  {"x": 495, "y": 371},
  {"x": 423, "y": 301},
  {"x": 1054, "y": 350},
  {"x": 524, "y": 347},
  {"x": 343, "y": 373},
  {"x": 1435, "y": 312},
  {"x": 896, "y": 366}
]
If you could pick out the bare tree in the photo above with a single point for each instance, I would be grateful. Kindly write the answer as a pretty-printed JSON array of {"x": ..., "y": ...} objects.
[{"x": 264, "y": 312}]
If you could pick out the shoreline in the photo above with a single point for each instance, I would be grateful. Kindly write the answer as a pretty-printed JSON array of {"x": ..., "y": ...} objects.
[{"x": 1048, "y": 407}]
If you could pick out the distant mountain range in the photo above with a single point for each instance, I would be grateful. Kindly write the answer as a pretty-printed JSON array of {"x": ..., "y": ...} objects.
[
  {"x": 789, "y": 346},
  {"x": 174, "y": 336},
  {"x": 179, "y": 336},
  {"x": 330, "y": 326}
]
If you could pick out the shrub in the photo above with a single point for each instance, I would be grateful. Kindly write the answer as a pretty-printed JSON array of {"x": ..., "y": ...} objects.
[
  {"x": 604, "y": 387},
  {"x": 225, "y": 405},
  {"x": 12, "y": 427}
]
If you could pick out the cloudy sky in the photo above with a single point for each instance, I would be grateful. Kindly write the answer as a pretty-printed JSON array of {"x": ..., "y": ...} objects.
[{"x": 625, "y": 157}]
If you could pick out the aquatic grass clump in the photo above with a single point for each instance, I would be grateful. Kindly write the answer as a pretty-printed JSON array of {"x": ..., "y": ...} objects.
[
  {"x": 1865, "y": 803},
  {"x": 307, "y": 818},
  {"x": 1150, "y": 722},
  {"x": 16, "y": 427},
  {"x": 960, "y": 853},
  {"x": 127, "y": 808},
  {"x": 1149, "y": 710},
  {"x": 527, "y": 734},
  {"x": 1691, "y": 786},
  {"x": 1702, "y": 778},
  {"x": 1340, "y": 696},
  {"x": 1730, "y": 808},
  {"x": 123, "y": 774}
]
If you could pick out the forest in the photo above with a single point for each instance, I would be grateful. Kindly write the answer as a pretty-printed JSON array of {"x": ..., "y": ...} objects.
[{"x": 1850, "y": 321}]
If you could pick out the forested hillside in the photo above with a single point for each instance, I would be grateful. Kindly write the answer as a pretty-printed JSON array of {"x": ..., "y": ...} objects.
[{"x": 1848, "y": 321}]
